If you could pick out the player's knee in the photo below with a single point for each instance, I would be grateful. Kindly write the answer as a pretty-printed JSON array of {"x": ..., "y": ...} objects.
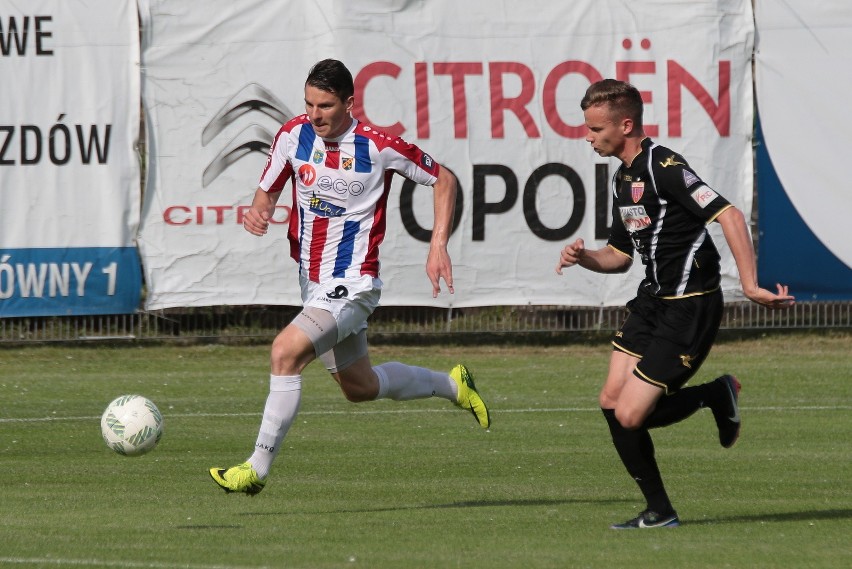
[
  {"x": 606, "y": 401},
  {"x": 278, "y": 348},
  {"x": 278, "y": 353},
  {"x": 609, "y": 395},
  {"x": 629, "y": 418},
  {"x": 283, "y": 359}
]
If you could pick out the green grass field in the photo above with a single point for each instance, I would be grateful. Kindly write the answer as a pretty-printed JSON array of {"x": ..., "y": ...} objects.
[{"x": 419, "y": 484}]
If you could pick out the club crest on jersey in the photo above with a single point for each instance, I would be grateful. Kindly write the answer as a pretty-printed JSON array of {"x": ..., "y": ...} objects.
[
  {"x": 318, "y": 156},
  {"x": 347, "y": 163},
  {"x": 634, "y": 217},
  {"x": 325, "y": 209},
  {"x": 636, "y": 191}
]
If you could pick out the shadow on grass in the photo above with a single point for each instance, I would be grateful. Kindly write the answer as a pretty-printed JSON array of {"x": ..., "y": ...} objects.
[
  {"x": 469, "y": 504},
  {"x": 482, "y": 504},
  {"x": 210, "y": 526},
  {"x": 812, "y": 515},
  {"x": 453, "y": 505},
  {"x": 803, "y": 516}
]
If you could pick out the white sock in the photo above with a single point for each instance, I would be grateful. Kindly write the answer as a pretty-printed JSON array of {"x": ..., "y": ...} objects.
[
  {"x": 402, "y": 382},
  {"x": 282, "y": 404}
]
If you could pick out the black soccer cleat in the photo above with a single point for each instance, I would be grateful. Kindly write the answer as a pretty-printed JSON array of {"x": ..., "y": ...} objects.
[
  {"x": 649, "y": 519},
  {"x": 727, "y": 411}
]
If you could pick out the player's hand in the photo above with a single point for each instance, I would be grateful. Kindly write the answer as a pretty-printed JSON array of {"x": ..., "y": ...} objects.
[
  {"x": 439, "y": 266},
  {"x": 570, "y": 255},
  {"x": 256, "y": 222},
  {"x": 763, "y": 297}
]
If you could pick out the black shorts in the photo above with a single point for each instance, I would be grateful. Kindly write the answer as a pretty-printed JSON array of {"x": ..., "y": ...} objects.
[{"x": 671, "y": 337}]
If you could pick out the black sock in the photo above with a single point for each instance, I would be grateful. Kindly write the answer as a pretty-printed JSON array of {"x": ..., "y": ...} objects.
[
  {"x": 674, "y": 408},
  {"x": 636, "y": 450}
]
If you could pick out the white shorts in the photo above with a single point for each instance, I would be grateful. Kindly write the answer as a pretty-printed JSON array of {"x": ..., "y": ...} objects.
[
  {"x": 320, "y": 327},
  {"x": 350, "y": 301}
]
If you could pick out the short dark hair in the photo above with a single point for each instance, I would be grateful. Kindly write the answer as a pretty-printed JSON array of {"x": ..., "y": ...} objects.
[
  {"x": 333, "y": 77},
  {"x": 623, "y": 99}
]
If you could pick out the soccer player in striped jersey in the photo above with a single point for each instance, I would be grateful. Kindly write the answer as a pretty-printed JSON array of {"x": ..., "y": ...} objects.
[
  {"x": 340, "y": 172},
  {"x": 661, "y": 209}
]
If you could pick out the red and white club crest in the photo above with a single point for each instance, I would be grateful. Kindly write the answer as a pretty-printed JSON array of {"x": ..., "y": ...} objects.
[{"x": 636, "y": 191}]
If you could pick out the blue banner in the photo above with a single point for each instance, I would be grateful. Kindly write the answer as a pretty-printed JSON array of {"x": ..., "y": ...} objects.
[
  {"x": 69, "y": 281},
  {"x": 788, "y": 250}
]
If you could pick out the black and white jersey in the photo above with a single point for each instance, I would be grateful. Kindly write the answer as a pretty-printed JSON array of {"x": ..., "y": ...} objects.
[{"x": 661, "y": 209}]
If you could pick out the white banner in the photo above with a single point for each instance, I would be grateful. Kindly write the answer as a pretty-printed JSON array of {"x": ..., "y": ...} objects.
[
  {"x": 69, "y": 173},
  {"x": 490, "y": 92},
  {"x": 804, "y": 68}
]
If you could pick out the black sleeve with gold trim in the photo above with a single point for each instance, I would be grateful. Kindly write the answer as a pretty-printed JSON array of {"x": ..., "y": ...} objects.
[{"x": 677, "y": 181}]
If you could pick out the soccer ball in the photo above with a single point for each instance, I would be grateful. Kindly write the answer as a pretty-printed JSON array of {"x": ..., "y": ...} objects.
[{"x": 132, "y": 425}]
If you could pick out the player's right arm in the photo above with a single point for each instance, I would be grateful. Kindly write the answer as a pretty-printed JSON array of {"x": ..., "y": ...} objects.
[
  {"x": 256, "y": 220},
  {"x": 605, "y": 260},
  {"x": 277, "y": 171}
]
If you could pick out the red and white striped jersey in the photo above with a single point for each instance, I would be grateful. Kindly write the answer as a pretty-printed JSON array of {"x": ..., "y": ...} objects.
[{"x": 340, "y": 193}]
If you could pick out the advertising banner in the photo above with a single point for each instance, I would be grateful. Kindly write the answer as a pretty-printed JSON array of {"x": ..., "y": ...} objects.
[
  {"x": 803, "y": 63},
  {"x": 490, "y": 91},
  {"x": 69, "y": 173}
]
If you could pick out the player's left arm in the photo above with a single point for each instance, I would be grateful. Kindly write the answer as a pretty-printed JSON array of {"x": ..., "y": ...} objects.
[
  {"x": 410, "y": 161},
  {"x": 438, "y": 263},
  {"x": 736, "y": 233}
]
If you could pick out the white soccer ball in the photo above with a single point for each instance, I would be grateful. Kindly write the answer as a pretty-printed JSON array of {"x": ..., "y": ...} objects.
[{"x": 132, "y": 425}]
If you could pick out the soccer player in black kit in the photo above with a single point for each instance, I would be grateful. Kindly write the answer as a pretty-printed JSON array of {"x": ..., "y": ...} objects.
[{"x": 661, "y": 209}]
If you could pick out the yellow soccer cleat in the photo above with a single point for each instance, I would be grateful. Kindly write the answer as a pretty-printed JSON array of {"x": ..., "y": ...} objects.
[
  {"x": 468, "y": 397},
  {"x": 240, "y": 478}
]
